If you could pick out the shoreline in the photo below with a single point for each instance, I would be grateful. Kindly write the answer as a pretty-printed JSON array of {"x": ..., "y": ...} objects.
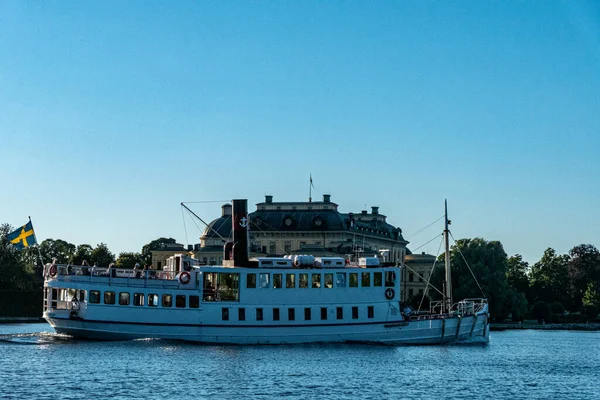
[
  {"x": 21, "y": 320},
  {"x": 546, "y": 327}
]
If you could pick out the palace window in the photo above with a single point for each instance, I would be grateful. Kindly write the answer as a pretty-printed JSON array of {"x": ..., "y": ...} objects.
[
  {"x": 109, "y": 297},
  {"x": 241, "y": 314},
  {"x": 291, "y": 314},
  {"x": 167, "y": 300},
  {"x": 354, "y": 312},
  {"x": 422, "y": 276},
  {"x": 288, "y": 247},
  {"x": 290, "y": 281},
  {"x": 377, "y": 279},
  {"x": 276, "y": 314},
  {"x": 94, "y": 296},
  {"x": 340, "y": 279},
  {"x": 153, "y": 300},
  {"x": 124, "y": 299},
  {"x": 353, "y": 279},
  {"x": 307, "y": 314},
  {"x": 366, "y": 279},
  {"x": 277, "y": 284},
  {"x": 194, "y": 301},
  {"x": 339, "y": 312},
  {"x": 251, "y": 281},
  {"x": 259, "y": 314},
  {"x": 316, "y": 281},
  {"x": 272, "y": 248},
  {"x": 411, "y": 292},
  {"x": 303, "y": 278},
  {"x": 180, "y": 301},
  {"x": 323, "y": 313},
  {"x": 370, "y": 312},
  {"x": 411, "y": 277}
]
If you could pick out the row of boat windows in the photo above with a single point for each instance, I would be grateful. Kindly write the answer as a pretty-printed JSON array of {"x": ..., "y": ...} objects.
[
  {"x": 291, "y": 313},
  {"x": 140, "y": 299},
  {"x": 318, "y": 280}
]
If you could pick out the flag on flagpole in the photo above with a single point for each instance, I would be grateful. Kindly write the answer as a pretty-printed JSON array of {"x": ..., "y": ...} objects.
[
  {"x": 311, "y": 183},
  {"x": 23, "y": 237}
]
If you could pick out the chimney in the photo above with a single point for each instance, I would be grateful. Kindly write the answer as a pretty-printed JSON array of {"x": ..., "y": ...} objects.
[
  {"x": 240, "y": 232},
  {"x": 326, "y": 198},
  {"x": 374, "y": 210},
  {"x": 364, "y": 212},
  {"x": 268, "y": 199},
  {"x": 226, "y": 210}
]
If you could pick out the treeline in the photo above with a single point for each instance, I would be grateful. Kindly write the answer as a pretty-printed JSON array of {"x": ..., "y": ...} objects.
[
  {"x": 557, "y": 288},
  {"x": 21, "y": 270}
]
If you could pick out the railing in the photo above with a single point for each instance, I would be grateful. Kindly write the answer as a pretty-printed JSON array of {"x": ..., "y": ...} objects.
[{"x": 462, "y": 308}]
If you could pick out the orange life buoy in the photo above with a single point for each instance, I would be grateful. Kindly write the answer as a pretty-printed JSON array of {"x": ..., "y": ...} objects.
[
  {"x": 184, "y": 278},
  {"x": 52, "y": 271}
]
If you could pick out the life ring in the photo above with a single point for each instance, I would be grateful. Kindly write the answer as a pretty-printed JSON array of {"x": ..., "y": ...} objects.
[
  {"x": 52, "y": 271},
  {"x": 184, "y": 278},
  {"x": 389, "y": 293}
]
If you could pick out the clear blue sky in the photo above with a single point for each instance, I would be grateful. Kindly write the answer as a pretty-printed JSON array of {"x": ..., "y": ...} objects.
[{"x": 112, "y": 113}]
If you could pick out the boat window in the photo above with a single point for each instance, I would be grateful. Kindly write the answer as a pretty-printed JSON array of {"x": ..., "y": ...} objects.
[
  {"x": 94, "y": 296},
  {"x": 194, "y": 301},
  {"x": 290, "y": 281},
  {"x": 353, "y": 279},
  {"x": 251, "y": 281},
  {"x": 259, "y": 314},
  {"x": 180, "y": 301},
  {"x": 124, "y": 299},
  {"x": 277, "y": 281},
  {"x": 241, "y": 314},
  {"x": 138, "y": 299},
  {"x": 340, "y": 279},
  {"x": 82, "y": 295},
  {"x": 291, "y": 314},
  {"x": 328, "y": 281},
  {"x": 303, "y": 278},
  {"x": 209, "y": 286},
  {"x": 264, "y": 280},
  {"x": 370, "y": 311},
  {"x": 225, "y": 314},
  {"x": 390, "y": 279},
  {"x": 316, "y": 281},
  {"x": 366, "y": 279},
  {"x": 55, "y": 298},
  {"x": 354, "y": 312},
  {"x": 276, "y": 314},
  {"x": 153, "y": 300},
  {"x": 377, "y": 279},
  {"x": 109, "y": 297},
  {"x": 339, "y": 312},
  {"x": 167, "y": 300},
  {"x": 307, "y": 314},
  {"x": 228, "y": 286},
  {"x": 324, "y": 313}
]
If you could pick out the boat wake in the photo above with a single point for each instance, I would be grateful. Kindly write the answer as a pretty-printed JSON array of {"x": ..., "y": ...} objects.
[{"x": 35, "y": 338}]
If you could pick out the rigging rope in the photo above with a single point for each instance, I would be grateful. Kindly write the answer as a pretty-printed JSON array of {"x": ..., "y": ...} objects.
[
  {"x": 187, "y": 241},
  {"x": 468, "y": 266},
  {"x": 431, "y": 274},
  {"x": 422, "y": 229},
  {"x": 424, "y": 244}
]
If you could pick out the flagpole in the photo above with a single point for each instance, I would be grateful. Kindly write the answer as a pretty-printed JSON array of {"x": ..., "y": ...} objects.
[
  {"x": 38, "y": 246},
  {"x": 310, "y": 190}
]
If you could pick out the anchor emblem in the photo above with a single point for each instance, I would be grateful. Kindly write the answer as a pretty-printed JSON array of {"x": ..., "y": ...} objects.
[{"x": 243, "y": 222}]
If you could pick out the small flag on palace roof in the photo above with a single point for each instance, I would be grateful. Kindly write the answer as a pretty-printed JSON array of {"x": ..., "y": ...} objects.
[{"x": 23, "y": 237}]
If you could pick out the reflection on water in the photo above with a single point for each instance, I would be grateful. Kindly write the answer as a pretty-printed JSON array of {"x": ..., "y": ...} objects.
[{"x": 38, "y": 363}]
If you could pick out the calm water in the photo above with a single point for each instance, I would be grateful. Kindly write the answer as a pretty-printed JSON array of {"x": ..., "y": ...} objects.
[{"x": 516, "y": 364}]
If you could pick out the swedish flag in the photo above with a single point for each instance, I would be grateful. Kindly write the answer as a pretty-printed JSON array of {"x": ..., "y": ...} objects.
[{"x": 23, "y": 237}]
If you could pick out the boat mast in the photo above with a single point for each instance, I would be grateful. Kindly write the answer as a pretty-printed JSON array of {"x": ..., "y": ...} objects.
[{"x": 448, "y": 294}]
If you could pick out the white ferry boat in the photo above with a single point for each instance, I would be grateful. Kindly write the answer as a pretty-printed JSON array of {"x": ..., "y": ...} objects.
[{"x": 266, "y": 301}]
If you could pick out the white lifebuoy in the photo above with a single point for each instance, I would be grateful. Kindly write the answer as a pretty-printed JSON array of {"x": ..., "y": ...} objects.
[
  {"x": 52, "y": 271},
  {"x": 184, "y": 278},
  {"x": 389, "y": 293}
]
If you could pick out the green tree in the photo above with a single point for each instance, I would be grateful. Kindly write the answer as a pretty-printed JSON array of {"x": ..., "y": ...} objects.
[
  {"x": 584, "y": 271},
  {"x": 59, "y": 249},
  {"x": 102, "y": 256},
  {"x": 541, "y": 311},
  {"x": 516, "y": 275},
  {"x": 16, "y": 267},
  {"x": 83, "y": 252},
  {"x": 591, "y": 297},
  {"x": 518, "y": 305},
  {"x": 154, "y": 245},
  {"x": 550, "y": 279},
  {"x": 128, "y": 260}
]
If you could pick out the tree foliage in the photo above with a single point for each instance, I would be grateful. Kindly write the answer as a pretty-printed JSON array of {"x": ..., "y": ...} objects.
[
  {"x": 584, "y": 272},
  {"x": 82, "y": 253},
  {"x": 550, "y": 278},
  {"x": 102, "y": 256},
  {"x": 128, "y": 260},
  {"x": 57, "y": 249},
  {"x": 154, "y": 245}
]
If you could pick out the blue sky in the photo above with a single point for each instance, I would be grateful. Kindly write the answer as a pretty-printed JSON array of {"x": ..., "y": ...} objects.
[{"x": 112, "y": 113}]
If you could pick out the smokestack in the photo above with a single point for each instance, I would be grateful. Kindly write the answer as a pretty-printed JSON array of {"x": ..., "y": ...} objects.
[{"x": 240, "y": 232}]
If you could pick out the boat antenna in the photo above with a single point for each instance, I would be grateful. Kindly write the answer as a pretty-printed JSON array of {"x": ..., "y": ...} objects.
[{"x": 448, "y": 286}]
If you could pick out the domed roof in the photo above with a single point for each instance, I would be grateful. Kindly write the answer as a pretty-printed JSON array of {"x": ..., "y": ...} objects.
[{"x": 218, "y": 227}]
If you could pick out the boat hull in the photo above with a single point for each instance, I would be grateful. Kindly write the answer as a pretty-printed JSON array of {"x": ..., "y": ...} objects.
[{"x": 473, "y": 328}]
